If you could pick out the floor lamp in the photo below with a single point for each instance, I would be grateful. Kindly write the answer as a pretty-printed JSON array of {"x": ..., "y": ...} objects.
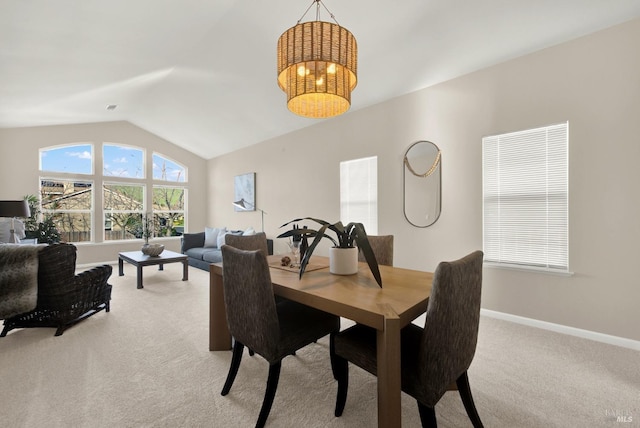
[
  {"x": 13, "y": 209},
  {"x": 246, "y": 206}
]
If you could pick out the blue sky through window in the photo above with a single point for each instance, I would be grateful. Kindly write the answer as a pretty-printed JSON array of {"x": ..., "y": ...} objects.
[
  {"x": 71, "y": 159},
  {"x": 122, "y": 161},
  {"x": 167, "y": 170},
  {"x": 118, "y": 161}
]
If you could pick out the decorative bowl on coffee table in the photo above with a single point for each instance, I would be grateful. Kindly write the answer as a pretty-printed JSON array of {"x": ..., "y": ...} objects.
[{"x": 152, "y": 250}]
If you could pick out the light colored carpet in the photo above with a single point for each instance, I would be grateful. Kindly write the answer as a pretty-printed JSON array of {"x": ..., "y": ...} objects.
[{"x": 147, "y": 364}]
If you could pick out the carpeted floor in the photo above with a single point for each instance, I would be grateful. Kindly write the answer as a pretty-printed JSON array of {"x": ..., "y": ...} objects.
[{"x": 147, "y": 364}]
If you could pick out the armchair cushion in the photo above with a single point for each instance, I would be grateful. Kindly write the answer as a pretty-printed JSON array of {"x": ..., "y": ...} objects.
[{"x": 18, "y": 279}]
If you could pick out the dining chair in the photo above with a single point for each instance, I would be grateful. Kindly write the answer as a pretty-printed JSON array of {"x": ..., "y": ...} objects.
[
  {"x": 248, "y": 242},
  {"x": 434, "y": 359},
  {"x": 272, "y": 330},
  {"x": 257, "y": 241},
  {"x": 382, "y": 246}
]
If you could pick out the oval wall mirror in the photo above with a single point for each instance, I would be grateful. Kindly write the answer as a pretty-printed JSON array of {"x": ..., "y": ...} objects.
[{"x": 422, "y": 174}]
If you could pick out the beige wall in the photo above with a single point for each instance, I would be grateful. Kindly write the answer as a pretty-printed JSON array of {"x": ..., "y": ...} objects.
[
  {"x": 19, "y": 171},
  {"x": 592, "y": 82}
]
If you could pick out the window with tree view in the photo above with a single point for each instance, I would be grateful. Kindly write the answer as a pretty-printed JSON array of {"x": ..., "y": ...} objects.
[
  {"x": 123, "y": 210},
  {"x": 168, "y": 209},
  {"x": 69, "y": 205},
  {"x": 134, "y": 186}
]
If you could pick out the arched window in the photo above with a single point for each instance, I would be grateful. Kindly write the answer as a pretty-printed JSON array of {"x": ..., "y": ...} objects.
[
  {"x": 166, "y": 169},
  {"x": 124, "y": 175}
]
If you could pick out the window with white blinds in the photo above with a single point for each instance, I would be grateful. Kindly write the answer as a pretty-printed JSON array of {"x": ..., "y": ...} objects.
[
  {"x": 526, "y": 198},
  {"x": 359, "y": 193}
]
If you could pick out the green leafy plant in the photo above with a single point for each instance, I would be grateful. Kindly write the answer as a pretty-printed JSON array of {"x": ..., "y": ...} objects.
[
  {"x": 348, "y": 236},
  {"x": 44, "y": 231}
]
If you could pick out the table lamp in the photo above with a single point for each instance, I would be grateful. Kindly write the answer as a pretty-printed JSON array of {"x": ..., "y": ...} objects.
[
  {"x": 246, "y": 206},
  {"x": 13, "y": 209}
]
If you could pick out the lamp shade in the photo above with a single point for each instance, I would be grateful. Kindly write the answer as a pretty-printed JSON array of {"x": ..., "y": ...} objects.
[
  {"x": 317, "y": 68},
  {"x": 14, "y": 209}
]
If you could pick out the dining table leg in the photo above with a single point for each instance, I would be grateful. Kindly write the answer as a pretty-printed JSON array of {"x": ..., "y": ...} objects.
[
  {"x": 389, "y": 371},
  {"x": 219, "y": 336}
]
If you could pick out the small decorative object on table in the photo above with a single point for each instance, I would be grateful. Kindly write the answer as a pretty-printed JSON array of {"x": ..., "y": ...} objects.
[
  {"x": 153, "y": 250},
  {"x": 285, "y": 261},
  {"x": 348, "y": 236}
]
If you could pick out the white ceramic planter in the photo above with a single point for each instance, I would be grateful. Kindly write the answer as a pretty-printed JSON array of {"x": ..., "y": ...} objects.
[{"x": 343, "y": 261}]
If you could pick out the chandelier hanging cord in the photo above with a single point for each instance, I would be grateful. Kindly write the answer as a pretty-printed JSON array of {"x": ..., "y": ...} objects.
[{"x": 318, "y": 3}]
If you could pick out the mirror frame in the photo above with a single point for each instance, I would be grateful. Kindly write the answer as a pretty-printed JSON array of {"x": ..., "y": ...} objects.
[{"x": 438, "y": 170}]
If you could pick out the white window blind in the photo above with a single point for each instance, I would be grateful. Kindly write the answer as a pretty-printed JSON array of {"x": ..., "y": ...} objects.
[
  {"x": 359, "y": 193},
  {"x": 526, "y": 197}
]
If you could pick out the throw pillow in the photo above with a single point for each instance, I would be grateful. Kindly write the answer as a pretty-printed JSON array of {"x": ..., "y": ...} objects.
[
  {"x": 249, "y": 231},
  {"x": 221, "y": 239},
  {"x": 211, "y": 236},
  {"x": 222, "y": 236}
]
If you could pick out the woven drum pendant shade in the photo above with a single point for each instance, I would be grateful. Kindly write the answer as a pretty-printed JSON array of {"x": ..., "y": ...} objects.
[{"x": 317, "y": 68}]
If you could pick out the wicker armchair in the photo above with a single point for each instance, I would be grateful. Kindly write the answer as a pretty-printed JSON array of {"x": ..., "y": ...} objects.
[{"x": 64, "y": 298}]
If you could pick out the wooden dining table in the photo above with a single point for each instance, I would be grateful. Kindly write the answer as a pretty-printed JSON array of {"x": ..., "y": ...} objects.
[{"x": 402, "y": 298}]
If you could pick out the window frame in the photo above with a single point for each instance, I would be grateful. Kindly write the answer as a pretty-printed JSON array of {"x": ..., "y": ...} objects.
[
  {"x": 525, "y": 192},
  {"x": 98, "y": 212},
  {"x": 55, "y": 213},
  {"x": 370, "y": 204},
  {"x": 137, "y": 213}
]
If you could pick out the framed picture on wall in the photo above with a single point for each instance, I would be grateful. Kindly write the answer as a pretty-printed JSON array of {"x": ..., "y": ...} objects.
[{"x": 245, "y": 192}]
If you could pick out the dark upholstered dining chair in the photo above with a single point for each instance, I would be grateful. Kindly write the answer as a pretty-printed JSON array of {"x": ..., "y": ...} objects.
[
  {"x": 254, "y": 242},
  {"x": 255, "y": 320},
  {"x": 434, "y": 358},
  {"x": 382, "y": 246},
  {"x": 248, "y": 242}
]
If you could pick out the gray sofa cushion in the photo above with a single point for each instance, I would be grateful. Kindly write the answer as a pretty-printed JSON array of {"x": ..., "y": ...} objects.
[
  {"x": 192, "y": 240},
  {"x": 214, "y": 255},
  {"x": 201, "y": 256},
  {"x": 196, "y": 253}
]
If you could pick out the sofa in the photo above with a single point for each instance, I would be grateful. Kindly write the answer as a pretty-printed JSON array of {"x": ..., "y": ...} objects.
[
  {"x": 62, "y": 297},
  {"x": 203, "y": 248}
]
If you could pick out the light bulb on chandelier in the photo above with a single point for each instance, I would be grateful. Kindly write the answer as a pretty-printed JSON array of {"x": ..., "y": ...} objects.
[{"x": 317, "y": 66}]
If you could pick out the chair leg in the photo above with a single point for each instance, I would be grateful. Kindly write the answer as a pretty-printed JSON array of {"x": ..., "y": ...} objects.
[
  {"x": 340, "y": 368},
  {"x": 270, "y": 393},
  {"x": 465, "y": 394},
  {"x": 238, "y": 348},
  {"x": 427, "y": 416}
]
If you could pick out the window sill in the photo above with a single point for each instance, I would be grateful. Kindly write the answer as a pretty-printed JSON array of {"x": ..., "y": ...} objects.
[{"x": 531, "y": 269}]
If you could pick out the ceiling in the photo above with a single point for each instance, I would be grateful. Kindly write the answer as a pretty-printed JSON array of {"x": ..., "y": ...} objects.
[{"x": 203, "y": 74}]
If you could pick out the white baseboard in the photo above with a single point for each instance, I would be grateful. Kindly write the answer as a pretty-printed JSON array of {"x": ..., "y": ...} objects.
[{"x": 559, "y": 328}]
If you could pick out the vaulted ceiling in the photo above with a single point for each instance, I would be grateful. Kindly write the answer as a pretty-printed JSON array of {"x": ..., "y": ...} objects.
[{"x": 203, "y": 74}]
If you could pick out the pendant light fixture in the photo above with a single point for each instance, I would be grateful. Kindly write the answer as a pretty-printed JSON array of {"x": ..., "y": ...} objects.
[{"x": 317, "y": 66}]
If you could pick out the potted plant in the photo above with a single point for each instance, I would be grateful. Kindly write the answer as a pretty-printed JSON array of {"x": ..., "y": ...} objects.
[
  {"x": 147, "y": 228},
  {"x": 44, "y": 231},
  {"x": 348, "y": 237}
]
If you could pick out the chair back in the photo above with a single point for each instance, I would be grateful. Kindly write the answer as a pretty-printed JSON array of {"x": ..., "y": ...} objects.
[
  {"x": 248, "y": 242},
  {"x": 450, "y": 333},
  {"x": 249, "y": 300},
  {"x": 56, "y": 267},
  {"x": 382, "y": 246}
]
